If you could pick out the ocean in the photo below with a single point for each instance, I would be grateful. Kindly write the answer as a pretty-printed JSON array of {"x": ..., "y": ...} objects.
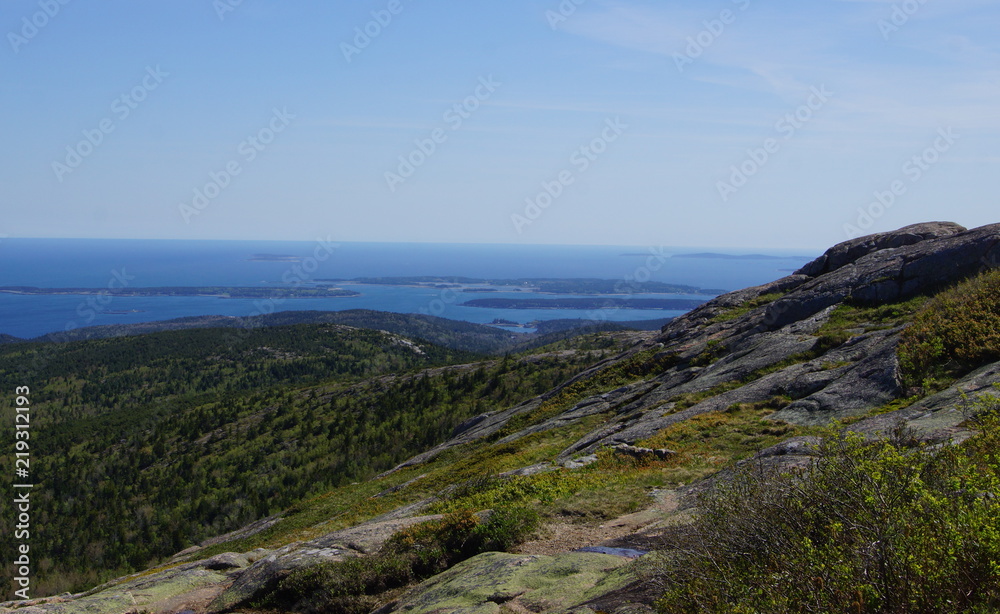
[{"x": 99, "y": 263}]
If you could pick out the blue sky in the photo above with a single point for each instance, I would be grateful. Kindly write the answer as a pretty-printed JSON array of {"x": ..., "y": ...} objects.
[{"x": 721, "y": 123}]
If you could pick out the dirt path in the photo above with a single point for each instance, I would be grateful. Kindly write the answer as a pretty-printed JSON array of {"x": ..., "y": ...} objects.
[{"x": 564, "y": 536}]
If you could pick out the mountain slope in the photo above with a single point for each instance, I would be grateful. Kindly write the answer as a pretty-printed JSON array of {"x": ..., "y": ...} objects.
[
  {"x": 147, "y": 443},
  {"x": 615, "y": 456}
]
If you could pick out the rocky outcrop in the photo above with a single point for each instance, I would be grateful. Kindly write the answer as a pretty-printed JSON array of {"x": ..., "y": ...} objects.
[
  {"x": 851, "y": 251},
  {"x": 264, "y": 575},
  {"x": 940, "y": 417},
  {"x": 494, "y": 582},
  {"x": 182, "y": 587},
  {"x": 889, "y": 274}
]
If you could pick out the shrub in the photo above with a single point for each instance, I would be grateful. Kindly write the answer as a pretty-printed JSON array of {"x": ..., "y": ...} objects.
[
  {"x": 505, "y": 528},
  {"x": 958, "y": 330},
  {"x": 875, "y": 527},
  {"x": 417, "y": 552}
]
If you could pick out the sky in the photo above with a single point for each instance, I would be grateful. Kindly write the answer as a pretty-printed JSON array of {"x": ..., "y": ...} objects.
[{"x": 782, "y": 124}]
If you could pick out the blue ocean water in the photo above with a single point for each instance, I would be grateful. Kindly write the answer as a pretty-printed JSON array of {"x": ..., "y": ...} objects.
[{"x": 54, "y": 263}]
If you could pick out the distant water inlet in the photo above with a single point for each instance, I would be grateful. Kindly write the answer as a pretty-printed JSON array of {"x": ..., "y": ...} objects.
[{"x": 172, "y": 279}]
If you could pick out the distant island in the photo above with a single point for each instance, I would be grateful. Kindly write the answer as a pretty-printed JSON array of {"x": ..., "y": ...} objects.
[
  {"x": 544, "y": 285},
  {"x": 273, "y": 258},
  {"x": 208, "y": 291},
  {"x": 584, "y": 303}
]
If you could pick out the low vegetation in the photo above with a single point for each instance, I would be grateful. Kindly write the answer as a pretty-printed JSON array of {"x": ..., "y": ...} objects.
[
  {"x": 872, "y": 526},
  {"x": 726, "y": 436},
  {"x": 955, "y": 332},
  {"x": 746, "y": 307},
  {"x": 354, "y": 586},
  {"x": 848, "y": 320}
]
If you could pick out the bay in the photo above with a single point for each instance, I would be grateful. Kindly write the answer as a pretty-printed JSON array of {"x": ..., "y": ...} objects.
[{"x": 54, "y": 263}]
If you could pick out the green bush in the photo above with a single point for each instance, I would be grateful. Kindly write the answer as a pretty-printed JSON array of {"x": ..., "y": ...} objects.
[
  {"x": 871, "y": 526},
  {"x": 417, "y": 552},
  {"x": 505, "y": 528},
  {"x": 958, "y": 330}
]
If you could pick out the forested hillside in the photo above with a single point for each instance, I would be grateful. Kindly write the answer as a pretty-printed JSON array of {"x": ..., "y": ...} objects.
[{"x": 145, "y": 445}]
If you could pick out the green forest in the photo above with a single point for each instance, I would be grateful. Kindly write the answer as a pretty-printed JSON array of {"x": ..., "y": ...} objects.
[{"x": 143, "y": 446}]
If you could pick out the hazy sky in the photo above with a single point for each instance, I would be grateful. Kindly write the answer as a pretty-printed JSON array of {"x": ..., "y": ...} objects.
[{"x": 728, "y": 122}]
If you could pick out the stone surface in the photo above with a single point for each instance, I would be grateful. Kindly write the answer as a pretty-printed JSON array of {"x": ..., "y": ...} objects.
[
  {"x": 158, "y": 592},
  {"x": 264, "y": 575},
  {"x": 519, "y": 583},
  {"x": 939, "y": 417},
  {"x": 850, "y": 251}
]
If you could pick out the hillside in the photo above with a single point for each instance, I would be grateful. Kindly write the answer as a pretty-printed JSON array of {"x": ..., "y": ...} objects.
[
  {"x": 187, "y": 434},
  {"x": 678, "y": 441},
  {"x": 440, "y": 331}
]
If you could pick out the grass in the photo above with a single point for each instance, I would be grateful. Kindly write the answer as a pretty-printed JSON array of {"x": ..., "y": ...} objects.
[
  {"x": 891, "y": 406},
  {"x": 746, "y": 307},
  {"x": 603, "y": 490},
  {"x": 714, "y": 350},
  {"x": 715, "y": 439},
  {"x": 847, "y": 320}
]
